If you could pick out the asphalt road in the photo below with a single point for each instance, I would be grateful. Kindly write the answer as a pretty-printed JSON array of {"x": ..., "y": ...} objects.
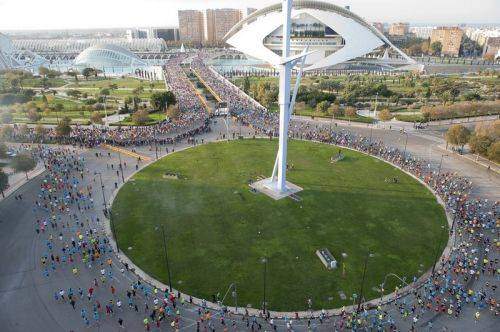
[{"x": 27, "y": 296}]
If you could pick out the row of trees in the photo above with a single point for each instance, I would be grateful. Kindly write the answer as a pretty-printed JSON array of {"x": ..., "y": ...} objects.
[
  {"x": 460, "y": 110},
  {"x": 483, "y": 140}
]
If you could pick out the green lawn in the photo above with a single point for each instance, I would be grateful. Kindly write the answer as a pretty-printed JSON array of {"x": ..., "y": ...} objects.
[
  {"x": 77, "y": 117},
  {"x": 218, "y": 230},
  {"x": 127, "y": 82},
  {"x": 153, "y": 119}
]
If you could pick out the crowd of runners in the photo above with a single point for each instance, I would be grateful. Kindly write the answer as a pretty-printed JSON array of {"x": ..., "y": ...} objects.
[{"x": 75, "y": 242}]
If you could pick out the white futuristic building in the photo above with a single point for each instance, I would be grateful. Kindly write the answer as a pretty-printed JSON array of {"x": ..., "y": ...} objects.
[
  {"x": 12, "y": 58},
  {"x": 335, "y": 35},
  {"x": 102, "y": 56},
  {"x": 78, "y": 45}
]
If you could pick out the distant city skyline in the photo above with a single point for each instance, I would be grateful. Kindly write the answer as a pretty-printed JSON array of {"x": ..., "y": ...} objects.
[{"x": 62, "y": 14}]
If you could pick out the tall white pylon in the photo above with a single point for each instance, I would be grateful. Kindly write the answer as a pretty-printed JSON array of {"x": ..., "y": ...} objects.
[{"x": 276, "y": 186}]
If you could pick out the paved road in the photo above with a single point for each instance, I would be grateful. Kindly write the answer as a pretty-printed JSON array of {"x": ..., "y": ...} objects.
[{"x": 26, "y": 295}]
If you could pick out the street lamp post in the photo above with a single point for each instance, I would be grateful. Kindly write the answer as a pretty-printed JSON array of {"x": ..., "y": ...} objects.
[
  {"x": 440, "y": 165},
  {"x": 165, "y": 250},
  {"x": 406, "y": 144},
  {"x": 121, "y": 166},
  {"x": 113, "y": 230},
  {"x": 368, "y": 254},
  {"x": 264, "y": 261},
  {"x": 156, "y": 143},
  {"x": 102, "y": 189},
  {"x": 235, "y": 296},
  {"x": 436, "y": 257}
]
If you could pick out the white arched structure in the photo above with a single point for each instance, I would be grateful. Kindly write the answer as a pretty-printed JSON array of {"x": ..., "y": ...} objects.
[
  {"x": 108, "y": 55},
  {"x": 12, "y": 58},
  {"x": 285, "y": 35},
  {"x": 353, "y": 36}
]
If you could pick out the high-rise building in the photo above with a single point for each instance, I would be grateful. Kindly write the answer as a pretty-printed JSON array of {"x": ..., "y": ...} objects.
[
  {"x": 492, "y": 48},
  {"x": 399, "y": 29},
  {"x": 167, "y": 34},
  {"x": 247, "y": 11},
  {"x": 138, "y": 34},
  {"x": 422, "y": 32},
  {"x": 191, "y": 26},
  {"x": 218, "y": 22},
  {"x": 379, "y": 26},
  {"x": 450, "y": 39}
]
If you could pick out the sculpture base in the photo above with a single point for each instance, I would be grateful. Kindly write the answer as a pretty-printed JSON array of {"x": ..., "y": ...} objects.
[{"x": 269, "y": 188}]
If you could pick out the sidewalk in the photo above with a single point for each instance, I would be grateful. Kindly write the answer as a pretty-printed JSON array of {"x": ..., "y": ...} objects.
[
  {"x": 474, "y": 158},
  {"x": 16, "y": 180}
]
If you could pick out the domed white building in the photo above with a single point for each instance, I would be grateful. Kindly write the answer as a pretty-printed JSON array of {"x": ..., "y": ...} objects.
[{"x": 103, "y": 56}]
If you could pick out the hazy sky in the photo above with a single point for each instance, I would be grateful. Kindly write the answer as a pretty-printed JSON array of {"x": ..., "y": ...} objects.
[{"x": 62, "y": 14}]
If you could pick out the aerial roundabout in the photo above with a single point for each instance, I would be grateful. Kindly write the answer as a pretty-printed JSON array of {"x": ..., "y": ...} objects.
[{"x": 230, "y": 243}]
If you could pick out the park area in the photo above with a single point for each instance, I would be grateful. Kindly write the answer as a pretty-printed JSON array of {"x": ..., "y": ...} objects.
[{"x": 218, "y": 231}]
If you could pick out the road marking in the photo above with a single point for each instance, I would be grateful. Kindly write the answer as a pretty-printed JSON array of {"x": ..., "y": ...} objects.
[{"x": 126, "y": 152}]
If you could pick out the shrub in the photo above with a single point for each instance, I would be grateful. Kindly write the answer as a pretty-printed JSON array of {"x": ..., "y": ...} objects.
[{"x": 385, "y": 115}]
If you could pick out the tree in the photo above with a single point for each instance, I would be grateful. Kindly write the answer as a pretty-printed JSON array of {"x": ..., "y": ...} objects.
[
  {"x": 490, "y": 129},
  {"x": 350, "y": 112},
  {"x": 337, "y": 111},
  {"x": 7, "y": 118},
  {"x": 4, "y": 182},
  {"x": 494, "y": 152},
  {"x": 246, "y": 84},
  {"x": 479, "y": 144},
  {"x": 458, "y": 135},
  {"x": 74, "y": 93},
  {"x": 33, "y": 115},
  {"x": 6, "y": 132},
  {"x": 23, "y": 162},
  {"x": 137, "y": 91},
  {"x": 140, "y": 117},
  {"x": 436, "y": 48},
  {"x": 58, "y": 108},
  {"x": 43, "y": 71},
  {"x": 322, "y": 106},
  {"x": 385, "y": 115},
  {"x": 3, "y": 150},
  {"x": 74, "y": 74},
  {"x": 104, "y": 92},
  {"x": 173, "y": 112},
  {"x": 63, "y": 128},
  {"x": 160, "y": 100},
  {"x": 96, "y": 117},
  {"x": 40, "y": 130},
  {"x": 87, "y": 72}
]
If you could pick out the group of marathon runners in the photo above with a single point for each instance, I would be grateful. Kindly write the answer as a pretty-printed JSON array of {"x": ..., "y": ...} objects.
[{"x": 74, "y": 239}]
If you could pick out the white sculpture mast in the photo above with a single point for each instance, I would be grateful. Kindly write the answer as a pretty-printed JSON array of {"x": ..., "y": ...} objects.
[{"x": 276, "y": 186}]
